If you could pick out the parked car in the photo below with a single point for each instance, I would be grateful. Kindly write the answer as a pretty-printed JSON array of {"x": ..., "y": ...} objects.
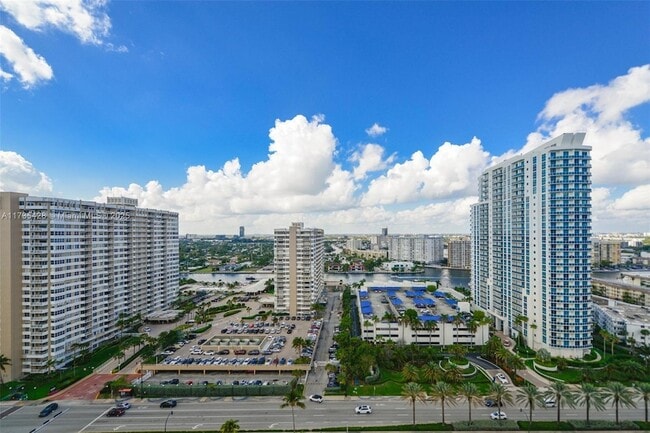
[
  {"x": 363, "y": 409},
  {"x": 490, "y": 403},
  {"x": 498, "y": 415},
  {"x": 116, "y": 411},
  {"x": 316, "y": 398},
  {"x": 48, "y": 409},
  {"x": 168, "y": 403}
]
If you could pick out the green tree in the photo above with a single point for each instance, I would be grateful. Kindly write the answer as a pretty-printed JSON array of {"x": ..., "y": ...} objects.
[
  {"x": 529, "y": 396},
  {"x": 230, "y": 426},
  {"x": 413, "y": 392},
  {"x": 472, "y": 394},
  {"x": 500, "y": 394},
  {"x": 293, "y": 399},
  {"x": 618, "y": 395},
  {"x": 562, "y": 396},
  {"x": 431, "y": 372},
  {"x": 457, "y": 321},
  {"x": 410, "y": 373},
  {"x": 589, "y": 395},
  {"x": 444, "y": 393},
  {"x": 643, "y": 389},
  {"x": 4, "y": 363}
]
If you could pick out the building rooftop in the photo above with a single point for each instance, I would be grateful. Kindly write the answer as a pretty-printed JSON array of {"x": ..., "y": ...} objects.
[
  {"x": 377, "y": 300},
  {"x": 627, "y": 312}
]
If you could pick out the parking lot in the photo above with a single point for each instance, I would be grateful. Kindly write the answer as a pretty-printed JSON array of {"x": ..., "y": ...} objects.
[{"x": 234, "y": 345}]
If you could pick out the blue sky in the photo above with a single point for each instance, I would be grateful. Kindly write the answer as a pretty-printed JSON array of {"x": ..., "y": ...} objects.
[{"x": 256, "y": 114}]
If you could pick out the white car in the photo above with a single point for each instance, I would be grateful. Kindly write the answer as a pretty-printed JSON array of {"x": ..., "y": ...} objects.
[
  {"x": 498, "y": 415},
  {"x": 502, "y": 378},
  {"x": 363, "y": 409},
  {"x": 124, "y": 405},
  {"x": 549, "y": 402},
  {"x": 316, "y": 398}
]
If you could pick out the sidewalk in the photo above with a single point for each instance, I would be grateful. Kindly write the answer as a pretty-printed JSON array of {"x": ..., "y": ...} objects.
[{"x": 528, "y": 374}]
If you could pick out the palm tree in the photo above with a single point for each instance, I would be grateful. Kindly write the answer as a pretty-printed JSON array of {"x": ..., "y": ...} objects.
[
  {"x": 292, "y": 399},
  {"x": 443, "y": 392},
  {"x": 529, "y": 396},
  {"x": 4, "y": 362},
  {"x": 410, "y": 373},
  {"x": 444, "y": 318},
  {"x": 472, "y": 394},
  {"x": 230, "y": 426},
  {"x": 298, "y": 343},
  {"x": 472, "y": 327},
  {"x": 619, "y": 395},
  {"x": 533, "y": 326},
  {"x": 589, "y": 395},
  {"x": 605, "y": 336},
  {"x": 644, "y": 335},
  {"x": 430, "y": 326},
  {"x": 500, "y": 394},
  {"x": 516, "y": 363},
  {"x": 431, "y": 372},
  {"x": 643, "y": 389},
  {"x": 562, "y": 396},
  {"x": 458, "y": 320},
  {"x": 413, "y": 392}
]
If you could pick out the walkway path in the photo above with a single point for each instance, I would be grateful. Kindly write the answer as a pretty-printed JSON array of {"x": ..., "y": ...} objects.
[{"x": 528, "y": 374}]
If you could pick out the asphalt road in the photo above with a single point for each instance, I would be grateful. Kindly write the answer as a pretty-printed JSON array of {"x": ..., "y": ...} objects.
[{"x": 259, "y": 414}]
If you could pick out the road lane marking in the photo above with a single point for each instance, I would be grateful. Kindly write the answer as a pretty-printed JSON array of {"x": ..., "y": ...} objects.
[
  {"x": 196, "y": 426},
  {"x": 93, "y": 421}
]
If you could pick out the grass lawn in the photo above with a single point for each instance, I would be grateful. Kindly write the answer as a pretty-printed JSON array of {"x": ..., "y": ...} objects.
[
  {"x": 570, "y": 375},
  {"x": 390, "y": 384},
  {"x": 38, "y": 386}
]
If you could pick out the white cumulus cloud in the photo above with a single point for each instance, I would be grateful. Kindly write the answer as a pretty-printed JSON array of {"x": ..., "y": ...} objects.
[
  {"x": 369, "y": 158},
  {"x": 450, "y": 172},
  {"x": 620, "y": 154},
  {"x": 85, "y": 19},
  {"x": 376, "y": 130},
  {"x": 29, "y": 66},
  {"x": 19, "y": 175}
]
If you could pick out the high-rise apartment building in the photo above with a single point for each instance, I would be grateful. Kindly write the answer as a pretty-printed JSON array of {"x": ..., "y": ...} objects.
[
  {"x": 299, "y": 254},
  {"x": 531, "y": 234},
  {"x": 459, "y": 253},
  {"x": 416, "y": 248},
  {"x": 606, "y": 252},
  {"x": 70, "y": 269},
  {"x": 242, "y": 231}
]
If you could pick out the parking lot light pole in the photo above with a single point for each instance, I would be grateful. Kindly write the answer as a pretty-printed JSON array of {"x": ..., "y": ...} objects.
[{"x": 167, "y": 419}]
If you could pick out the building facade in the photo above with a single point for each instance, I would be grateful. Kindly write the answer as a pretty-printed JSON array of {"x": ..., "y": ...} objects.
[
  {"x": 459, "y": 253},
  {"x": 531, "y": 238},
  {"x": 416, "y": 248},
  {"x": 299, "y": 254},
  {"x": 628, "y": 322},
  {"x": 629, "y": 288},
  {"x": 605, "y": 252},
  {"x": 71, "y": 269}
]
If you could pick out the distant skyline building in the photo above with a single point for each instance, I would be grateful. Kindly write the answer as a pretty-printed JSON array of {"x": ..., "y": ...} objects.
[
  {"x": 416, "y": 248},
  {"x": 299, "y": 260},
  {"x": 384, "y": 231},
  {"x": 459, "y": 253},
  {"x": 606, "y": 252},
  {"x": 71, "y": 269},
  {"x": 531, "y": 239},
  {"x": 242, "y": 231}
]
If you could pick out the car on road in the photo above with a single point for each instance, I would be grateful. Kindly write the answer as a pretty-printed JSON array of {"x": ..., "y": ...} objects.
[
  {"x": 48, "y": 409},
  {"x": 316, "y": 398},
  {"x": 549, "y": 402},
  {"x": 498, "y": 415},
  {"x": 124, "y": 405},
  {"x": 502, "y": 378},
  {"x": 116, "y": 411},
  {"x": 363, "y": 409},
  {"x": 168, "y": 403},
  {"x": 147, "y": 329}
]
